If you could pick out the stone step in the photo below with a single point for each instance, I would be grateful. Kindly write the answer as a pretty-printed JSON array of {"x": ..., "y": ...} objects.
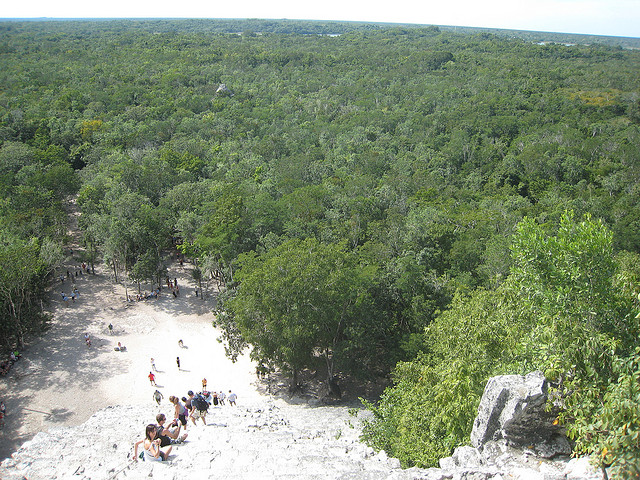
[{"x": 262, "y": 440}]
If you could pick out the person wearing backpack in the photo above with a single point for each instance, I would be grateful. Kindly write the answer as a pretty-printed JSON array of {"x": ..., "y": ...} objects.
[{"x": 199, "y": 407}]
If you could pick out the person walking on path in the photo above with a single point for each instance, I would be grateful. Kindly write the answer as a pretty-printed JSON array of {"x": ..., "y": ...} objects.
[
  {"x": 157, "y": 396},
  {"x": 153, "y": 365},
  {"x": 232, "y": 397},
  {"x": 152, "y": 379}
]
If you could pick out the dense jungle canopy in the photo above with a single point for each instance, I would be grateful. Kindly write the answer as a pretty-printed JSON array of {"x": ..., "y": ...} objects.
[{"x": 438, "y": 205}]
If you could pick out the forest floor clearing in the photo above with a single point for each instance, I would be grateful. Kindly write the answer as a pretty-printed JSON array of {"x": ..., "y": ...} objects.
[{"x": 60, "y": 381}]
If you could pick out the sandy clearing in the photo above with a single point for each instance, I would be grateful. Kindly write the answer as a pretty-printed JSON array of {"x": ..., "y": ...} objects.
[{"x": 62, "y": 382}]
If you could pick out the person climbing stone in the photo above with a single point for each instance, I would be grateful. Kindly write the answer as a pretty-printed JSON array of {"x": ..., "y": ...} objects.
[{"x": 169, "y": 435}]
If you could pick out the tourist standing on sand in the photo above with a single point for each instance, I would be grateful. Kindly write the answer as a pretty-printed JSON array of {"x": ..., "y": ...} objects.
[
  {"x": 178, "y": 362},
  {"x": 232, "y": 398},
  {"x": 153, "y": 365},
  {"x": 204, "y": 384}
]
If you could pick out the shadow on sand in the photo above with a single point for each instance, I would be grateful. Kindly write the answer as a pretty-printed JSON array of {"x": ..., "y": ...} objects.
[{"x": 60, "y": 360}]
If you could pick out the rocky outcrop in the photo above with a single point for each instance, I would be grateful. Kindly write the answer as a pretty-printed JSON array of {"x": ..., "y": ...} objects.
[
  {"x": 277, "y": 440},
  {"x": 515, "y": 409},
  {"x": 514, "y": 436},
  {"x": 223, "y": 90}
]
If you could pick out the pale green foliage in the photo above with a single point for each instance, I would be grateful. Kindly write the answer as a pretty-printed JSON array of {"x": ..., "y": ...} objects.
[
  {"x": 558, "y": 311},
  {"x": 50, "y": 253},
  {"x": 431, "y": 408},
  {"x": 580, "y": 322},
  {"x": 616, "y": 428},
  {"x": 567, "y": 274}
]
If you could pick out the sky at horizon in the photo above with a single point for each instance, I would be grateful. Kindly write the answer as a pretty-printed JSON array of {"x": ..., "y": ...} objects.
[{"x": 594, "y": 17}]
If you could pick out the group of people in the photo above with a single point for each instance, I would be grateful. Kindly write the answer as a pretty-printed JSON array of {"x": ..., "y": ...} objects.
[
  {"x": 212, "y": 398},
  {"x": 218, "y": 398},
  {"x": 83, "y": 268},
  {"x": 6, "y": 364},
  {"x": 154, "y": 294},
  {"x": 173, "y": 286},
  {"x": 159, "y": 438},
  {"x": 74, "y": 294}
]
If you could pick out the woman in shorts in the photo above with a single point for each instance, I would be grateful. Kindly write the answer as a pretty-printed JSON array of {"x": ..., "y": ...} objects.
[{"x": 180, "y": 411}]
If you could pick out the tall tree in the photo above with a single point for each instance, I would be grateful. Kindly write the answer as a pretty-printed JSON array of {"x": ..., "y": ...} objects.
[
  {"x": 22, "y": 275},
  {"x": 295, "y": 302}
]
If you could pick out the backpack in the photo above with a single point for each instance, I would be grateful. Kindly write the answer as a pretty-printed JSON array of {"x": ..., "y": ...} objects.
[{"x": 199, "y": 403}]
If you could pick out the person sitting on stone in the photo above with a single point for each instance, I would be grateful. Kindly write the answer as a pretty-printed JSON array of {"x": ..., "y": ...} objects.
[
  {"x": 151, "y": 446},
  {"x": 169, "y": 435}
]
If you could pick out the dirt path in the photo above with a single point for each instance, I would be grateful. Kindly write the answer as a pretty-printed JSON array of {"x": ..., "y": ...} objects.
[{"x": 62, "y": 382}]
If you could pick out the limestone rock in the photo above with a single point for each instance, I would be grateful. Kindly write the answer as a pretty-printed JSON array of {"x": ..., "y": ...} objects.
[
  {"x": 514, "y": 408},
  {"x": 224, "y": 90}
]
